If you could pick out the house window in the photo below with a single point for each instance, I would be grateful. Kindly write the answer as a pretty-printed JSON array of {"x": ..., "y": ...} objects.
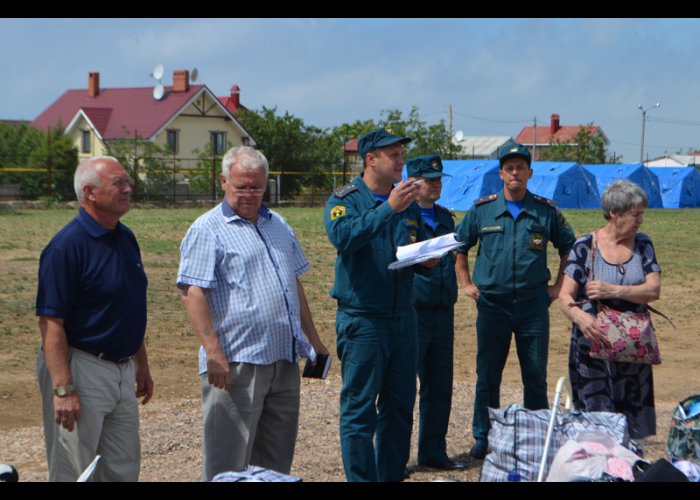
[
  {"x": 174, "y": 141},
  {"x": 85, "y": 141},
  {"x": 218, "y": 142}
]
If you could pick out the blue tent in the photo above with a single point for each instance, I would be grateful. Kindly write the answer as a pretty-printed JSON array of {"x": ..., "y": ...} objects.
[
  {"x": 635, "y": 172},
  {"x": 567, "y": 183},
  {"x": 469, "y": 181},
  {"x": 680, "y": 187}
]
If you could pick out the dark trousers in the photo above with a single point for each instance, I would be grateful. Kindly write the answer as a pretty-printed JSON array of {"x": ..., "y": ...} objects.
[
  {"x": 435, "y": 357},
  {"x": 496, "y": 321},
  {"x": 378, "y": 366}
]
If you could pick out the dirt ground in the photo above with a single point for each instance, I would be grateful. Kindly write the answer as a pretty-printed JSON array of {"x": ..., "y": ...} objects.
[{"x": 171, "y": 424}]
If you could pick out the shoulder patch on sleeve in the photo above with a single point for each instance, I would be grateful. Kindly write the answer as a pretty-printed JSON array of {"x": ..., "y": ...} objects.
[
  {"x": 544, "y": 201},
  {"x": 338, "y": 211},
  {"x": 486, "y": 199},
  {"x": 345, "y": 190}
]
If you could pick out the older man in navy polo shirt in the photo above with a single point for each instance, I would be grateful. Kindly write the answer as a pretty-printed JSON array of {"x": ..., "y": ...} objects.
[{"x": 91, "y": 303}]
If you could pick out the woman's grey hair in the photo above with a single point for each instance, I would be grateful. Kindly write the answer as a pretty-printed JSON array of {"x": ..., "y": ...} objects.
[
  {"x": 88, "y": 172},
  {"x": 246, "y": 157},
  {"x": 621, "y": 196}
]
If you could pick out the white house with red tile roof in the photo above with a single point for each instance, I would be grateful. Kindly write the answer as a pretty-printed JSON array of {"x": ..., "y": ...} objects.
[
  {"x": 544, "y": 135},
  {"x": 185, "y": 117}
]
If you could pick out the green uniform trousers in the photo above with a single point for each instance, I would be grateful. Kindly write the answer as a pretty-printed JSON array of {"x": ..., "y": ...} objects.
[
  {"x": 497, "y": 319},
  {"x": 435, "y": 350},
  {"x": 378, "y": 366}
]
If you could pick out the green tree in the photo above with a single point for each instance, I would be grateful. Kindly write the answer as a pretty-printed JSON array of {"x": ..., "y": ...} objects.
[
  {"x": 427, "y": 139},
  {"x": 152, "y": 168},
  {"x": 47, "y": 159},
  {"x": 585, "y": 148},
  {"x": 308, "y": 153}
]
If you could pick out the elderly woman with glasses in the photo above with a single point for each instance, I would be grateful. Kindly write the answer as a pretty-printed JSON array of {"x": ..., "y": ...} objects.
[{"x": 626, "y": 277}]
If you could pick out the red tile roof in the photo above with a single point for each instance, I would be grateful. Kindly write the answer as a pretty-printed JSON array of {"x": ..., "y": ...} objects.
[
  {"x": 230, "y": 104},
  {"x": 565, "y": 133},
  {"x": 351, "y": 145},
  {"x": 118, "y": 113}
]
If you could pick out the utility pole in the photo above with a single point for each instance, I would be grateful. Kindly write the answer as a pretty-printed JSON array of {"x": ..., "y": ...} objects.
[
  {"x": 449, "y": 119},
  {"x": 534, "y": 138}
]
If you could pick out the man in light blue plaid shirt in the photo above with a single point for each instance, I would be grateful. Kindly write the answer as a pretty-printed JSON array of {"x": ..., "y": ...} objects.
[{"x": 239, "y": 270}]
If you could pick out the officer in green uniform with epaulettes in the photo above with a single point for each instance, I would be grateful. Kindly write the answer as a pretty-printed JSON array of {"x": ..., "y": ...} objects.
[
  {"x": 510, "y": 285},
  {"x": 375, "y": 323},
  {"x": 436, "y": 294}
]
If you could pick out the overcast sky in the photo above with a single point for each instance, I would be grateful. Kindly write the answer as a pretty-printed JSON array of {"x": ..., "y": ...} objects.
[{"x": 497, "y": 74}]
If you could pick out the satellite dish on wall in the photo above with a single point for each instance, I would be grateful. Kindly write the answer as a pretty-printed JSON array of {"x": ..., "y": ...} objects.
[
  {"x": 194, "y": 74},
  {"x": 158, "y": 72},
  {"x": 459, "y": 136},
  {"x": 158, "y": 92}
]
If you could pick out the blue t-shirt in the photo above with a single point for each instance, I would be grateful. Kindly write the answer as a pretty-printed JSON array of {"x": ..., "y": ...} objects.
[
  {"x": 381, "y": 197},
  {"x": 94, "y": 280},
  {"x": 514, "y": 207},
  {"x": 428, "y": 215}
]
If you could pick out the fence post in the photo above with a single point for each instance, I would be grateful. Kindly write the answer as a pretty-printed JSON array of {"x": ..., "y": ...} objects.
[
  {"x": 136, "y": 179},
  {"x": 49, "y": 162},
  {"x": 213, "y": 178}
]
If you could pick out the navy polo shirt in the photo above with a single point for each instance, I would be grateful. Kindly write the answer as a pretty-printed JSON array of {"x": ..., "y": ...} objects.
[{"x": 93, "y": 278}]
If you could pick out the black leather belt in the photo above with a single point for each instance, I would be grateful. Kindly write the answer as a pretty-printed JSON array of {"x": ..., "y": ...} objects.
[{"x": 101, "y": 355}]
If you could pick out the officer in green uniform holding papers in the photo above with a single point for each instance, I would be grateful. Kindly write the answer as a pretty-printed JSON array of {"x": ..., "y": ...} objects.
[
  {"x": 511, "y": 285},
  {"x": 436, "y": 294},
  {"x": 375, "y": 322}
]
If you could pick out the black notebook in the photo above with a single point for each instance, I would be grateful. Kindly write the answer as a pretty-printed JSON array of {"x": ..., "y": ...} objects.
[{"x": 323, "y": 363}]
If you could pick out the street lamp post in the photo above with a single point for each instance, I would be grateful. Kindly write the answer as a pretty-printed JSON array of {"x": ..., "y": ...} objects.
[{"x": 644, "y": 122}]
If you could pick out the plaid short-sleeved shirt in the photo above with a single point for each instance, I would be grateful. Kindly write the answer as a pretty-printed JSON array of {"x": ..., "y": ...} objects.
[{"x": 248, "y": 272}]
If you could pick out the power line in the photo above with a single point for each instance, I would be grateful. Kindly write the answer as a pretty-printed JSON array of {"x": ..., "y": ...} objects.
[
  {"x": 528, "y": 120},
  {"x": 673, "y": 121}
]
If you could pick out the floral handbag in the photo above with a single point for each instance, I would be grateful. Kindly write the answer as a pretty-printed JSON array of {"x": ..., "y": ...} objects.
[{"x": 631, "y": 334}]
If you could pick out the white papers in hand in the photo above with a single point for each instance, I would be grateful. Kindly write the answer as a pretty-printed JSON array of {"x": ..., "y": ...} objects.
[{"x": 408, "y": 255}]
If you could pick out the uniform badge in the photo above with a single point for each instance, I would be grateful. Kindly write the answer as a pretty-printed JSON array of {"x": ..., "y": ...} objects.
[
  {"x": 412, "y": 236},
  {"x": 337, "y": 211},
  {"x": 435, "y": 165},
  {"x": 537, "y": 242}
]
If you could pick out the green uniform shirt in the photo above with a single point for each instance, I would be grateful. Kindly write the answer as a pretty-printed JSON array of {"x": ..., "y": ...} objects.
[
  {"x": 366, "y": 233},
  {"x": 512, "y": 258},
  {"x": 438, "y": 287}
]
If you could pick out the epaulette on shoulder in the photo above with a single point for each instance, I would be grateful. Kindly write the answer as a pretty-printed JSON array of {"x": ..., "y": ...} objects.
[
  {"x": 544, "y": 201},
  {"x": 345, "y": 190},
  {"x": 446, "y": 210},
  {"x": 486, "y": 199}
]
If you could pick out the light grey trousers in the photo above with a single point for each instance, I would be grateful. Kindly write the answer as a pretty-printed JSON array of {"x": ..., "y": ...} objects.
[
  {"x": 252, "y": 423},
  {"x": 108, "y": 425}
]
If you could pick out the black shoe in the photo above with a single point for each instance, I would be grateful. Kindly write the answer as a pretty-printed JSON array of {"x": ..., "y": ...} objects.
[
  {"x": 479, "y": 450},
  {"x": 445, "y": 464}
]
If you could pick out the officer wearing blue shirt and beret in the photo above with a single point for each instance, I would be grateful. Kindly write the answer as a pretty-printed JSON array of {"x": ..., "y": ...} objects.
[
  {"x": 511, "y": 285},
  {"x": 91, "y": 303},
  {"x": 436, "y": 294},
  {"x": 366, "y": 221}
]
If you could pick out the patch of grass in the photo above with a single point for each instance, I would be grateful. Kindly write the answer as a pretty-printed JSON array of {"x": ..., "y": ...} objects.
[{"x": 160, "y": 230}]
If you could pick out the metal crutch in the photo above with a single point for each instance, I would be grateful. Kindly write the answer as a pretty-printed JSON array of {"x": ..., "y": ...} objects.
[{"x": 562, "y": 383}]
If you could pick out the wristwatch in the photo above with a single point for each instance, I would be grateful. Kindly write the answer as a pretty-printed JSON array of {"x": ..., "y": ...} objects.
[{"x": 64, "y": 390}]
